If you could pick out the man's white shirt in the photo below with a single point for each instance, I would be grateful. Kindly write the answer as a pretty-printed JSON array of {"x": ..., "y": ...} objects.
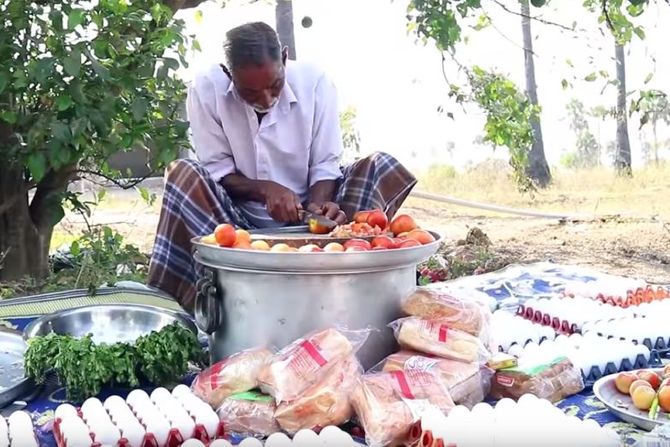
[{"x": 297, "y": 144}]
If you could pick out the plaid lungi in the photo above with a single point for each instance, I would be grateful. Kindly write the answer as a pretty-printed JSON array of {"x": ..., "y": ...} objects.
[{"x": 194, "y": 204}]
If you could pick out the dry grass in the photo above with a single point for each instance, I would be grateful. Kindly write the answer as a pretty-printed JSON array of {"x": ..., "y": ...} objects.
[{"x": 596, "y": 191}]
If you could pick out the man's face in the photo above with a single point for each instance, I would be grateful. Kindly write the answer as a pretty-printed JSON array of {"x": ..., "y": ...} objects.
[{"x": 260, "y": 85}]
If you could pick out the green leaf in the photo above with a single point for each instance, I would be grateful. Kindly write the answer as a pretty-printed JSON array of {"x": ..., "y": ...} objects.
[
  {"x": 63, "y": 102},
  {"x": 75, "y": 18},
  {"x": 8, "y": 116},
  {"x": 646, "y": 80},
  {"x": 590, "y": 78},
  {"x": 640, "y": 33},
  {"x": 146, "y": 195},
  {"x": 564, "y": 84},
  {"x": 139, "y": 108},
  {"x": 4, "y": 79},
  {"x": 37, "y": 165},
  {"x": 72, "y": 63},
  {"x": 61, "y": 132},
  {"x": 198, "y": 17},
  {"x": 171, "y": 63},
  {"x": 196, "y": 45},
  {"x": 75, "y": 250}
]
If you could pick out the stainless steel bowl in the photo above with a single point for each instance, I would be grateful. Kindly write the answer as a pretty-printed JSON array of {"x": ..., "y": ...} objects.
[
  {"x": 622, "y": 405},
  {"x": 13, "y": 383},
  {"x": 108, "y": 323}
]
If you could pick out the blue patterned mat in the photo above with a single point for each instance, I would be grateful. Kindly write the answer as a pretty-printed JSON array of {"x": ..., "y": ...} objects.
[{"x": 515, "y": 283}]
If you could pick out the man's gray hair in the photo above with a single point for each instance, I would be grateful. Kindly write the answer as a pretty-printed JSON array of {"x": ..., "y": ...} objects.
[{"x": 252, "y": 44}]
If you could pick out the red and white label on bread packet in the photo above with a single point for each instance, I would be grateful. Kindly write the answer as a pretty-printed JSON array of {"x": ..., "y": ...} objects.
[
  {"x": 307, "y": 358},
  {"x": 504, "y": 380},
  {"x": 439, "y": 331}
]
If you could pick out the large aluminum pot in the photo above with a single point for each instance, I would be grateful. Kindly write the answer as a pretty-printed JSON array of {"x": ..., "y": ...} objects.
[{"x": 261, "y": 298}]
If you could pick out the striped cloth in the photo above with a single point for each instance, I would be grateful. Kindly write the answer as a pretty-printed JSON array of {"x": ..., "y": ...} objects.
[{"x": 194, "y": 204}]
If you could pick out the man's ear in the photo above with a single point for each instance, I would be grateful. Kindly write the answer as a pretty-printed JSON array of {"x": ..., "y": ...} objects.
[{"x": 284, "y": 55}]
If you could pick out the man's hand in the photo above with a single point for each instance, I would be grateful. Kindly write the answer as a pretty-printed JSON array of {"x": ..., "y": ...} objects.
[
  {"x": 281, "y": 203},
  {"x": 331, "y": 210}
]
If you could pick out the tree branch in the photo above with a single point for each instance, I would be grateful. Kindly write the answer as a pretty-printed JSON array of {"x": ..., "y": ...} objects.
[
  {"x": 537, "y": 19},
  {"x": 116, "y": 182},
  {"x": 606, "y": 14}
]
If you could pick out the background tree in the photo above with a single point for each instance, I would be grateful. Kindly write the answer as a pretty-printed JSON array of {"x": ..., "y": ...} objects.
[
  {"x": 538, "y": 169},
  {"x": 653, "y": 107},
  {"x": 622, "y": 161},
  {"x": 78, "y": 84},
  {"x": 350, "y": 136},
  {"x": 588, "y": 150}
]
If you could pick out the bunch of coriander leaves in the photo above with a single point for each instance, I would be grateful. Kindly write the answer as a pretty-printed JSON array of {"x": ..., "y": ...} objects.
[{"x": 84, "y": 367}]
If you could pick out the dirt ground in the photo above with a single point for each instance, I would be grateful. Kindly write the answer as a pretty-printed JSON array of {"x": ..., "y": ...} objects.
[{"x": 632, "y": 246}]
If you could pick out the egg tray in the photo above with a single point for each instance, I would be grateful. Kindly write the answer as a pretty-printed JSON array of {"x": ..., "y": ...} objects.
[
  {"x": 174, "y": 439},
  {"x": 661, "y": 346},
  {"x": 530, "y": 340},
  {"x": 634, "y": 298},
  {"x": 560, "y": 326},
  {"x": 640, "y": 362}
]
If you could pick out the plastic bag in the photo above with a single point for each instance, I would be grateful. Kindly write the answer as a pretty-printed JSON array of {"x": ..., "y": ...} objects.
[
  {"x": 467, "y": 314},
  {"x": 235, "y": 374},
  {"x": 307, "y": 361},
  {"x": 388, "y": 403},
  {"x": 250, "y": 414},
  {"x": 436, "y": 338},
  {"x": 468, "y": 383},
  {"x": 324, "y": 403},
  {"x": 553, "y": 381}
]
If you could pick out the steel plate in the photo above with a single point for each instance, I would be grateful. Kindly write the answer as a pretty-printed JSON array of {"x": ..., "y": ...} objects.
[
  {"x": 108, "y": 323},
  {"x": 622, "y": 405},
  {"x": 315, "y": 262},
  {"x": 13, "y": 383},
  {"x": 297, "y": 235}
]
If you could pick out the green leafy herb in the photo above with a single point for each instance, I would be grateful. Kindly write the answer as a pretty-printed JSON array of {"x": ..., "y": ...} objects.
[{"x": 84, "y": 367}]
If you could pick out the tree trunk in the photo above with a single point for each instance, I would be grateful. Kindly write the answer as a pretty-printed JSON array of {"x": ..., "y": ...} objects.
[
  {"x": 622, "y": 161},
  {"x": 24, "y": 248},
  {"x": 538, "y": 169},
  {"x": 284, "y": 18}
]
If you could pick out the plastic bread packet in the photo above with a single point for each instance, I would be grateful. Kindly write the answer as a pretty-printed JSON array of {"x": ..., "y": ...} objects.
[
  {"x": 554, "y": 380},
  {"x": 387, "y": 404},
  {"x": 307, "y": 361},
  {"x": 437, "y": 338},
  {"x": 468, "y": 383},
  {"x": 235, "y": 374},
  {"x": 250, "y": 414},
  {"x": 325, "y": 403}
]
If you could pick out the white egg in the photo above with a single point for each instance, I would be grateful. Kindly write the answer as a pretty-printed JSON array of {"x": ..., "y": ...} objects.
[
  {"x": 160, "y": 428},
  {"x": 159, "y": 393},
  {"x": 20, "y": 419},
  {"x": 253, "y": 442},
  {"x": 107, "y": 434},
  {"x": 91, "y": 403},
  {"x": 78, "y": 439},
  {"x": 136, "y": 396},
  {"x": 526, "y": 399},
  {"x": 114, "y": 402},
  {"x": 305, "y": 438},
  {"x": 64, "y": 410},
  {"x": 224, "y": 443},
  {"x": 515, "y": 350},
  {"x": 185, "y": 425},
  {"x": 504, "y": 404},
  {"x": 335, "y": 439},
  {"x": 193, "y": 443},
  {"x": 24, "y": 439},
  {"x": 208, "y": 420},
  {"x": 180, "y": 390},
  {"x": 134, "y": 433},
  {"x": 278, "y": 440}
]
